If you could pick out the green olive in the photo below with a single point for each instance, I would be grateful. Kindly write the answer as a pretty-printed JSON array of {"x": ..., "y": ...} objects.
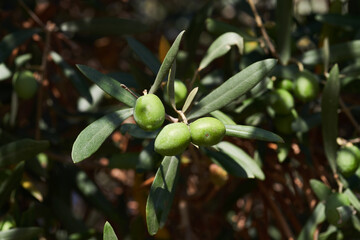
[
  {"x": 348, "y": 160},
  {"x": 149, "y": 112},
  {"x": 281, "y": 101},
  {"x": 283, "y": 123},
  {"x": 180, "y": 91},
  {"x": 207, "y": 131},
  {"x": 334, "y": 201},
  {"x": 306, "y": 86},
  {"x": 173, "y": 139},
  {"x": 285, "y": 84},
  {"x": 25, "y": 84}
]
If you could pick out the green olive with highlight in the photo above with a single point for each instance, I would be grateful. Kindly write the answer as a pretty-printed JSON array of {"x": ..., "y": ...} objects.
[
  {"x": 306, "y": 86},
  {"x": 281, "y": 101},
  {"x": 207, "y": 131},
  {"x": 173, "y": 139},
  {"x": 180, "y": 94},
  {"x": 25, "y": 84},
  {"x": 149, "y": 112}
]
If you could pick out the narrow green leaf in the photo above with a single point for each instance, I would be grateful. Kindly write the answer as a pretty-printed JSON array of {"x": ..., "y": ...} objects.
[
  {"x": 329, "y": 115},
  {"x": 26, "y": 233},
  {"x": 338, "y": 53},
  {"x": 304, "y": 124},
  {"x": 161, "y": 194},
  {"x": 110, "y": 26},
  {"x": 250, "y": 132},
  {"x": 330, "y": 232},
  {"x": 317, "y": 217},
  {"x": 91, "y": 138},
  {"x": 21, "y": 150},
  {"x": 225, "y": 119},
  {"x": 22, "y": 59},
  {"x": 167, "y": 63},
  {"x": 345, "y": 213},
  {"x": 170, "y": 86},
  {"x": 109, "y": 85},
  {"x": 144, "y": 54},
  {"x": 353, "y": 199},
  {"x": 14, "y": 39},
  {"x": 9, "y": 182},
  {"x": 5, "y": 72},
  {"x": 284, "y": 12},
  {"x": 190, "y": 99},
  {"x": 135, "y": 131},
  {"x": 233, "y": 88},
  {"x": 346, "y": 21},
  {"x": 282, "y": 151},
  {"x": 75, "y": 78},
  {"x": 109, "y": 233},
  {"x": 326, "y": 51},
  {"x": 320, "y": 189},
  {"x": 221, "y": 46}
]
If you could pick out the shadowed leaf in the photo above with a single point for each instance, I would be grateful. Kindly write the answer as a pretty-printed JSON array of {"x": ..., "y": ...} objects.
[{"x": 250, "y": 132}]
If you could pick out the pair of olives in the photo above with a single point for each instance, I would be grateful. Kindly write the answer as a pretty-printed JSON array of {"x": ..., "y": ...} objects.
[{"x": 173, "y": 139}]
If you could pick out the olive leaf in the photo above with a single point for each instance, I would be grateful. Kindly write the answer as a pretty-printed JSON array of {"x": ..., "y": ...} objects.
[
  {"x": 108, "y": 84},
  {"x": 353, "y": 199},
  {"x": 10, "y": 181},
  {"x": 329, "y": 115},
  {"x": 145, "y": 54},
  {"x": 220, "y": 47},
  {"x": 91, "y": 138},
  {"x": 317, "y": 217},
  {"x": 225, "y": 119},
  {"x": 250, "y": 132},
  {"x": 189, "y": 99},
  {"x": 109, "y": 233},
  {"x": 21, "y": 233},
  {"x": 162, "y": 194},
  {"x": 284, "y": 12},
  {"x": 74, "y": 76},
  {"x": 320, "y": 189},
  {"x": 232, "y": 88},
  {"x": 170, "y": 86},
  {"x": 167, "y": 63}
]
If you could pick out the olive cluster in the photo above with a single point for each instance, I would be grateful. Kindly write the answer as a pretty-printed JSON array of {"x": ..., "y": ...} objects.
[{"x": 174, "y": 138}]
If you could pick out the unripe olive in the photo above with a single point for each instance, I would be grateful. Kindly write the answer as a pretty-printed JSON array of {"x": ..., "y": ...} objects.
[
  {"x": 281, "y": 101},
  {"x": 180, "y": 91},
  {"x": 173, "y": 139},
  {"x": 25, "y": 84},
  {"x": 149, "y": 112},
  {"x": 334, "y": 201},
  {"x": 348, "y": 160},
  {"x": 306, "y": 86},
  {"x": 207, "y": 131},
  {"x": 285, "y": 84},
  {"x": 283, "y": 123}
]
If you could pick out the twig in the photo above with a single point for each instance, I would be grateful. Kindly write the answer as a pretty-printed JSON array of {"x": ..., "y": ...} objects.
[
  {"x": 32, "y": 14},
  {"x": 347, "y": 112},
  {"x": 262, "y": 29},
  {"x": 185, "y": 221},
  {"x": 171, "y": 119},
  {"x": 128, "y": 89}
]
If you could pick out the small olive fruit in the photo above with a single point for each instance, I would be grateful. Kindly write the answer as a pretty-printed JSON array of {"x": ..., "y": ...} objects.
[
  {"x": 306, "y": 86},
  {"x": 149, "y": 112},
  {"x": 25, "y": 84},
  {"x": 334, "y": 201},
  {"x": 207, "y": 131},
  {"x": 348, "y": 160},
  {"x": 281, "y": 101},
  {"x": 173, "y": 139},
  {"x": 283, "y": 123},
  {"x": 285, "y": 84},
  {"x": 180, "y": 91}
]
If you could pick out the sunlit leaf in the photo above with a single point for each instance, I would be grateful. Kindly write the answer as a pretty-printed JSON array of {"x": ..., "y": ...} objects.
[
  {"x": 221, "y": 46},
  {"x": 190, "y": 99},
  {"x": 225, "y": 119},
  {"x": 317, "y": 217},
  {"x": 109, "y": 233},
  {"x": 25, "y": 233},
  {"x": 14, "y": 39},
  {"x": 162, "y": 194},
  {"x": 22, "y": 59},
  {"x": 353, "y": 199},
  {"x": 104, "y": 26},
  {"x": 329, "y": 116},
  {"x": 109, "y": 85},
  {"x": 91, "y": 138},
  {"x": 74, "y": 76},
  {"x": 251, "y": 132},
  {"x": 320, "y": 189},
  {"x": 217, "y": 27},
  {"x": 21, "y": 150},
  {"x": 144, "y": 54},
  {"x": 233, "y": 88},
  {"x": 284, "y": 12},
  {"x": 167, "y": 63},
  {"x": 5, "y": 72}
]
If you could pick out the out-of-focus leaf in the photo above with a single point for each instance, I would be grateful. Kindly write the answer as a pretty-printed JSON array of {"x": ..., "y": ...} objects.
[
  {"x": 74, "y": 76},
  {"x": 317, "y": 217},
  {"x": 29, "y": 185},
  {"x": 109, "y": 85},
  {"x": 225, "y": 119},
  {"x": 26, "y": 233},
  {"x": 233, "y": 88},
  {"x": 329, "y": 232},
  {"x": 135, "y": 131},
  {"x": 284, "y": 12},
  {"x": 164, "y": 47},
  {"x": 345, "y": 213},
  {"x": 241, "y": 158},
  {"x": 329, "y": 115},
  {"x": 109, "y": 233},
  {"x": 338, "y": 53},
  {"x": 126, "y": 160},
  {"x": 305, "y": 124},
  {"x": 21, "y": 150},
  {"x": 9, "y": 182},
  {"x": 124, "y": 78},
  {"x": 320, "y": 189},
  {"x": 110, "y": 26},
  {"x": 167, "y": 63},
  {"x": 221, "y": 46},
  {"x": 189, "y": 99},
  {"x": 346, "y": 21},
  {"x": 144, "y": 54},
  {"x": 5, "y": 73},
  {"x": 355, "y": 222},
  {"x": 250, "y": 132},
  {"x": 22, "y": 59},
  {"x": 97, "y": 95},
  {"x": 162, "y": 194},
  {"x": 353, "y": 199},
  {"x": 14, "y": 39},
  {"x": 282, "y": 151},
  {"x": 326, "y": 52},
  {"x": 91, "y": 138},
  {"x": 217, "y": 27}
]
